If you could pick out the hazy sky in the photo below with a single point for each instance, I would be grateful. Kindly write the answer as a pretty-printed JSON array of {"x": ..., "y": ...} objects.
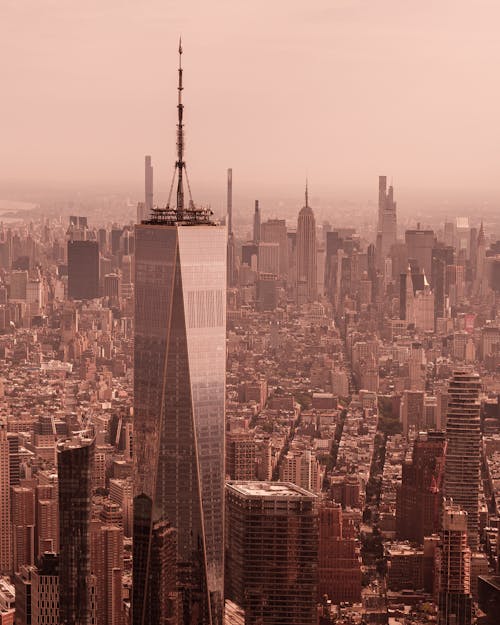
[{"x": 340, "y": 90}]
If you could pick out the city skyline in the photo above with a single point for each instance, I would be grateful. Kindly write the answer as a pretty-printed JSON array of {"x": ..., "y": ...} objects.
[
  {"x": 253, "y": 412},
  {"x": 411, "y": 56}
]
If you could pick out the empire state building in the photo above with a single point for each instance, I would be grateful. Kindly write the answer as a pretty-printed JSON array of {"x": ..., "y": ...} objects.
[
  {"x": 179, "y": 395},
  {"x": 306, "y": 254}
]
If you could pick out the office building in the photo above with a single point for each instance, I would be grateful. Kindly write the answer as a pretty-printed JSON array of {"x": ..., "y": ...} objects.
[
  {"x": 419, "y": 499},
  {"x": 148, "y": 186},
  {"x": 47, "y": 518},
  {"x": 268, "y": 258},
  {"x": 18, "y": 285},
  {"x": 272, "y": 552},
  {"x": 22, "y": 587},
  {"x": 231, "y": 246},
  {"x": 75, "y": 459},
  {"x": 5, "y": 520},
  {"x": 463, "y": 454},
  {"x": 274, "y": 231},
  {"x": 453, "y": 569},
  {"x": 45, "y": 591},
  {"x": 83, "y": 269},
  {"x": 167, "y": 606},
  {"x": 256, "y": 223},
  {"x": 107, "y": 567},
  {"x": 387, "y": 220},
  {"x": 23, "y": 526},
  {"x": 240, "y": 455},
  {"x": 420, "y": 244},
  {"x": 179, "y": 397},
  {"x": 339, "y": 562},
  {"x": 306, "y": 254}
]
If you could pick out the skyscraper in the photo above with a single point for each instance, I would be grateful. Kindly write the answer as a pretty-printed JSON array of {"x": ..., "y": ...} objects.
[
  {"x": 306, "y": 253},
  {"x": 179, "y": 395},
  {"x": 5, "y": 525},
  {"x": 420, "y": 244},
  {"x": 231, "y": 251},
  {"x": 83, "y": 269},
  {"x": 107, "y": 566},
  {"x": 148, "y": 184},
  {"x": 274, "y": 231},
  {"x": 419, "y": 500},
  {"x": 453, "y": 569},
  {"x": 144, "y": 208},
  {"x": 75, "y": 464},
  {"x": 387, "y": 220},
  {"x": 23, "y": 526},
  {"x": 272, "y": 552},
  {"x": 256, "y": 223},
  {"x": 463, "y": 454},
  {"x": 339, "y": 562},
  {"x": 45, "y": 591}
]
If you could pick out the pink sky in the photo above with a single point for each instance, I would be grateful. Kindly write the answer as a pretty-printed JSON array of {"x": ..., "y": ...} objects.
[{"x": 341, "y": 90}]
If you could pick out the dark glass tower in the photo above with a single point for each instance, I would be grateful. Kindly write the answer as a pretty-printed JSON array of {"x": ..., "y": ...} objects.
[
  {"x": 75, "y": 462},
  {"x": 83, "y": 269},
  {"x": 179, "y": 388}
]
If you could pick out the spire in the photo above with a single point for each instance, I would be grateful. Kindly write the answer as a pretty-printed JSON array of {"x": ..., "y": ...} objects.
[
  {"x": 307, "y": 193},
  {"x": 179, "y": 213},
  {"x": 180, "y": 164},
  {"x": 480, "y": 236}
]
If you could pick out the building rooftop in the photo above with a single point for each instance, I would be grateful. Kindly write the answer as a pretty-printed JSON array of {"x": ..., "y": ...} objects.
[
  {"x": 74, "y": 442},
  {"x": 269, "y": 489}
]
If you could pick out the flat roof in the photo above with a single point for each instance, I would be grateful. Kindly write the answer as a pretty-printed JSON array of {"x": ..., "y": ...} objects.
[{"x": 269, "y": 489}]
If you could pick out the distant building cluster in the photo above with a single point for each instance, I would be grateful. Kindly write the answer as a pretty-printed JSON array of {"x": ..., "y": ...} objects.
[{"x": 298, "y": 426}]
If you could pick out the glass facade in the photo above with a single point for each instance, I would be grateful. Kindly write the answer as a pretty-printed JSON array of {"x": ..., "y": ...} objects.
[
  {"x": 179, "y": 384},
  {"x": 75, "y": 462}
]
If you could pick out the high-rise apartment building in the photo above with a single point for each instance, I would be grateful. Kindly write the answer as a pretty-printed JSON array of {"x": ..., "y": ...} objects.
[
  {"x": 179, "y": 398},
  {"x": 5, "y": 521},
  {"x": 256, "y": 223},
  {"x": 272, "y": 552},
  {"x": 22, "y": 587},
  {"x": 47, "y": 519},
  {"x": 107, "y": 566},
  {"x": 23, "y": 526},
  {"x": 75, "y": 459},
  {"x": 306, "y": 254},
  {"x": 241, "y": 455},
  {"x": 45, "y": 591},
  {"x": 452, "y": 580},
  {"x": 231, "y": 247},
  {"x": 83, "y": 269},
  {"x": 463, "y": 454},
  {"x": 419, "y": 499}
]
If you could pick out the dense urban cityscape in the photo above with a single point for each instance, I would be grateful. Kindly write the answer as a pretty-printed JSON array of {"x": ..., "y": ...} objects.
[{"x": 273, "y": 422}]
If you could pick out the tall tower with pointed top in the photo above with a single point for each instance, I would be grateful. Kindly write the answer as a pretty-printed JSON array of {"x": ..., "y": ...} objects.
[
  {"x": 231, "y": 252},
  {"x": 179, "y": 400},
  {"x": 306, "y": 253},
  {"x": 387, "y": 220}
]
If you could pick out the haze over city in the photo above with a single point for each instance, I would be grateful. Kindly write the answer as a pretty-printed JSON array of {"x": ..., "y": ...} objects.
[
  {"x": 249, "y": 313},
  {"x": 334, "y": 89}
]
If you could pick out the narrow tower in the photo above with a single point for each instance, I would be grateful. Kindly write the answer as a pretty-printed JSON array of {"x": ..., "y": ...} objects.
[
  {"x": 148, "y": 186},
  {"x": 463, "y": 455},
  {"x": 230, "y": 202},
  {"x": 179, "y": 399},
  {"x": 256, "y": 223},
  {"x": 306, "y": 253},
  {"x": 231, "y": 252}
]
